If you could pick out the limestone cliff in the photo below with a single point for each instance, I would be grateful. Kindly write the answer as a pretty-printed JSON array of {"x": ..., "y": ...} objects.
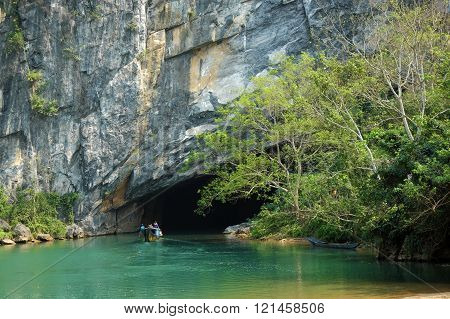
[{"x": 134, "y": 81}]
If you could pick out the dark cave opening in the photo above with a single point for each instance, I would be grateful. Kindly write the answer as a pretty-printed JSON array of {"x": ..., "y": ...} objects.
[{"x": 174, "y": 209}]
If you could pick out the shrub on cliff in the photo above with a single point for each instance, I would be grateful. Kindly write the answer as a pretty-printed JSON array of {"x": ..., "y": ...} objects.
[{"x": 38, "y": 102}]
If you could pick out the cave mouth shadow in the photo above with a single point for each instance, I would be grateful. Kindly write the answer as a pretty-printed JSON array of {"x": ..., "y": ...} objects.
[{"x": 174, "y": 209}]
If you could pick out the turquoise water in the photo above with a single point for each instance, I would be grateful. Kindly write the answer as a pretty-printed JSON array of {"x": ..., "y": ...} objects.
[{"x": 204, "y": 266}]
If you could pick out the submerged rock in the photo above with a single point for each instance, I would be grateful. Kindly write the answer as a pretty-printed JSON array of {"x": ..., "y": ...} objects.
[
  {"x": 4, "y": 226},
  {"x": 22, "y": 234},
  {"x": 74, "y": 231},
  {"x": 44, "y": 237},
  {"x": 7, "y": 241}
]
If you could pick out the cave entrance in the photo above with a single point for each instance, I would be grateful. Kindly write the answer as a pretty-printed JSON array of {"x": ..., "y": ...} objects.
[{"x": 174, "y": 210}]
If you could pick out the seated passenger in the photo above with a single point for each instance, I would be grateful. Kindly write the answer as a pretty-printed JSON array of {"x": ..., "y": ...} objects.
[{"x": 157, "y": 230}]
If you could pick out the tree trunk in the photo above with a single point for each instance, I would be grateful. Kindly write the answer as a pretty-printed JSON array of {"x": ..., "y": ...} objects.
[{"x": 403, "y": 114}]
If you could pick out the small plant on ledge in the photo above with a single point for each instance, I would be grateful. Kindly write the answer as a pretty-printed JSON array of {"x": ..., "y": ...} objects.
[
  {"x": 15, "y": 40},
  {"x": 95, "y": 13},
  {"x": 132, "y": 26},
  {"x": 37, "y": 101},
  {"x": 192, "y": 14},
  {"x": 72, "y": 54},
  {"x": 43, "y": 106},
  {"x": 35, "y": 77}
]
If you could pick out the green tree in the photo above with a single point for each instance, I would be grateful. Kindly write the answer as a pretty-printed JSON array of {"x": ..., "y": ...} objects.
[
  {"x": 276, "y": 146},
  {"x": 407, "y": 58}
]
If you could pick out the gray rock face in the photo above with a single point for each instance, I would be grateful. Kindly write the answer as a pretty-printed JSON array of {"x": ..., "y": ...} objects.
[
  {"x": 135, "y": 82},
  {"x": 237, "y": 229},
  {"x": 74, "y": 231},
  {"x": 22, "y": 234},
  {"x": 4, "y": 226}
]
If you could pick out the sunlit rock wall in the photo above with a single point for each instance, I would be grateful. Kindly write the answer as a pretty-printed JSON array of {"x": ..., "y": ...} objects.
[{"x": 135, "y": 82}]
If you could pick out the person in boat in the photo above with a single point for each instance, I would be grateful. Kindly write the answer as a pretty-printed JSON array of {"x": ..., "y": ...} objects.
[
  {"x": 156, "y": 230},
  {"x": 147, "y": 233},
  {"x": 142, "y": 230}
]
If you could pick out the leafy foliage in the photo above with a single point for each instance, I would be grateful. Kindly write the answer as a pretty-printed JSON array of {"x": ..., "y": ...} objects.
[
  {"x": 5, "y": 206},
  {"x": 273, "y": 222},
  {"x": 71, "y": 53},
  {"x": 35, "y": 77},
  {"x": 38, "y": 102},
  {"x": 132, "y": 26},
  {"x": 345, "y": 149},
  {"x": 94, "y": 12},
  {"x": 192, "y": 14},
  {"x": 42, "y": 212},
  {"x": 5, "y": 235},
  {"x": 15, "y": 41}
]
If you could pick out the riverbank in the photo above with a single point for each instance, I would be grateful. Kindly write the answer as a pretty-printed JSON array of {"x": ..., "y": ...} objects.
[
  {"x": 243, "y": 231},
  {"x": 21, "y": 234}
]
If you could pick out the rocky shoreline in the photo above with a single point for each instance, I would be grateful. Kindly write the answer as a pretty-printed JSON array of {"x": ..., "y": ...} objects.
[
  {"x": 242, "y": 231},
  {"x": 21, "y": 234}
]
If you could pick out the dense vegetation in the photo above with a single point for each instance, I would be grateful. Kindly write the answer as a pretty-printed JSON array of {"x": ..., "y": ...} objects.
[
  {"x": 42, "y": 212},
  {"x": 355, "y": 148}
]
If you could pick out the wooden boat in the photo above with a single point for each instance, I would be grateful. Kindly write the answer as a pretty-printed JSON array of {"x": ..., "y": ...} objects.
[
  {"x": 320, "y": 243},
  {"x": 152, "y": 236}
]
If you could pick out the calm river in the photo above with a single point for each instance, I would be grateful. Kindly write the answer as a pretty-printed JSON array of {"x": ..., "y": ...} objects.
[{"x": 205, "y": 266}]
